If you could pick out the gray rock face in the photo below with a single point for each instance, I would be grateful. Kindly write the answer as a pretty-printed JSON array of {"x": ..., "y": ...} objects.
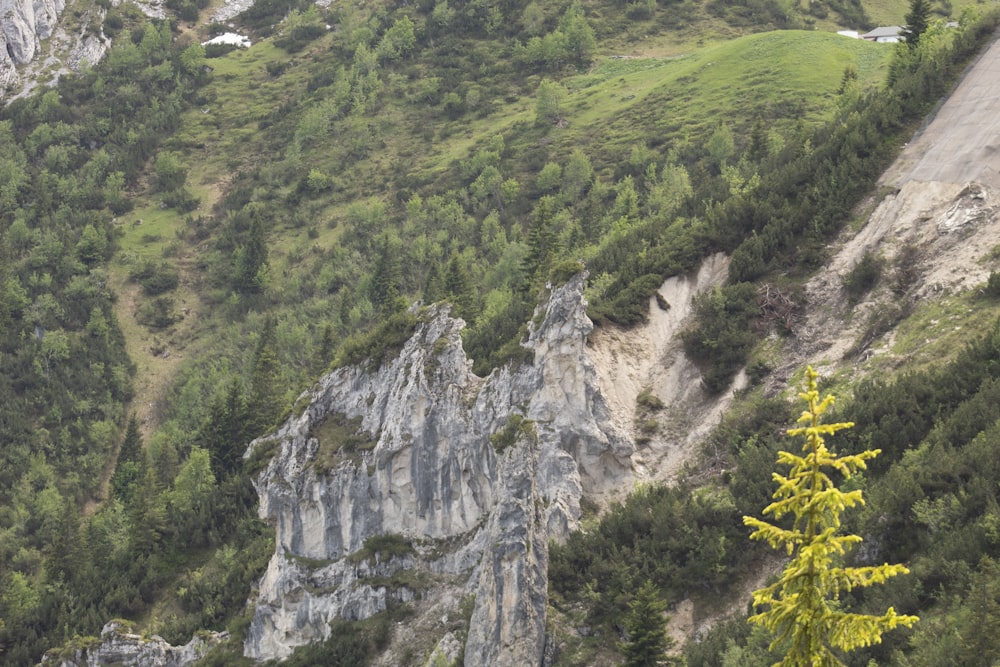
[
  {"x": 23, "y": 24},
  {"x": 474, "y": 509},
  {"x": 117, "y": 646},
  {"x": 36, "y": 49},
  {"x": 513, "y": 568}
]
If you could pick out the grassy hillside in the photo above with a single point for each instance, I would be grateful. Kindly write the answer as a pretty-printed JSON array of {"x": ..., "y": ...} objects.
[{"x": 191, "y": 236}]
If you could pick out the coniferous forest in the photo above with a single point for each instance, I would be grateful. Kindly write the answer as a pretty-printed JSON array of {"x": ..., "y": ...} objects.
[{"x": 190, "y": 236}]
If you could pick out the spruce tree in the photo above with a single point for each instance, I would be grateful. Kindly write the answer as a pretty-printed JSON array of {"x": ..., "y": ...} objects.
[
  {"x": 266, "y": 399},
  {"x": 129, "y": 468},
  {"x": 250, "y": 274},
  {"x": 542, "y": 243},
  {"x": 387, "y": 273},
  {"x": 803, "y": 609},
  {"x": 324, "y": 353},
  {"x": 225, "y": 433},
  {"x": 645, "y": 628},
  {"x": 917, "y": 21},
  {"x": 458, "y": 287},
  {"x": 131, "y": 449}
]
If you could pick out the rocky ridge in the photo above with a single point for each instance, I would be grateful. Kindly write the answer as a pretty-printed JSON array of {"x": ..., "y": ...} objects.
[
  {"x": 36, "y": 47},
  {"x": 119, "y": 646},
  {"x": 468, "y": 477}
]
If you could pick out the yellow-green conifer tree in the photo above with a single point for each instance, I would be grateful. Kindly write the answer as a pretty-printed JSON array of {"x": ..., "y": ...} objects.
[{"x": 802, "y": 607}]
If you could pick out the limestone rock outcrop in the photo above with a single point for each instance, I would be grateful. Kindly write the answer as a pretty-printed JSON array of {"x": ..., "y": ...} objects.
[
  {"x": 420, "y": 466},
  {"x": 36, "y": 48},
  {"x": 119, "y": 646},
  {"x": 23, "y": 24}
]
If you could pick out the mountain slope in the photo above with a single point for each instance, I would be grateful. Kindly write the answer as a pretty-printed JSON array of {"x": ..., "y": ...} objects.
[{"x": 256, "y": 243}]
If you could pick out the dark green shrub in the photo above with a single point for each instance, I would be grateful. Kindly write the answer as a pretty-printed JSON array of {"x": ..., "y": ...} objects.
[
  {"x": 648, "y": 400},
  {"x": 993, "y": 285},
  {"x": 515, "y": 427},
  {"x": 563, "y": 272},
  {"x": 155, "y": 277},
  {"x": 723, "y": 334},
  {"x": 376, "y": 346},
  {"x": 631, "y": 304},
  {"x": 218, "y": 50},
  {"x": 383, "y": 547},
  {"x": 494, "y": 342},
  {"x": 181, "y": 200},
  {"x": 157, "y": 313},
  {"x": 864, "y": 276}
]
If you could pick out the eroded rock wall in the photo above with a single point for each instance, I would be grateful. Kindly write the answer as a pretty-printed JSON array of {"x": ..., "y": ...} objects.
[
  {"x": 119, "y": 646},
  {"x": 475, "y": 474}
]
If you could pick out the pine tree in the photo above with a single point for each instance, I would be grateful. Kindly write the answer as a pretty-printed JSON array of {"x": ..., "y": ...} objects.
[
  {"x": 131, "y": 449},
  {"x": 324, "y": 353},
  {"x": 147, "y": 516},
  {"x": 459, "y": 289},
  {"x": 542, "y": 243},
  {"x": 803, "y": 605},
  {"x": 387, "y": 273},
  {"x": 434, "y": 284},
  {"x": 129, "y": 468},
  {"x": 645, "y": 628}
]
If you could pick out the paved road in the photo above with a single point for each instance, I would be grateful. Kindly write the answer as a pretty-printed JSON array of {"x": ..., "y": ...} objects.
[{"x": 962, "y": 142}]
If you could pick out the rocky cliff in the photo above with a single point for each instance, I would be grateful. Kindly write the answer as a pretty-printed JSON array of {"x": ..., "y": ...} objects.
[
  {"x": 119, "y": 646},
  {"x": 420, "y": 484},
  {"x": 36, "y": 47},
  {"x": 23, "y": 24},
  {"x": 465, "y": 478}
]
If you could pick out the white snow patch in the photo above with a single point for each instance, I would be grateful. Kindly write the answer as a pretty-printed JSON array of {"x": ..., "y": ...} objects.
[{"x": 229, "y": 38}]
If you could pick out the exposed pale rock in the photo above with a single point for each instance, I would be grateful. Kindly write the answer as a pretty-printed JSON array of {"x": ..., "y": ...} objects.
[
  {"x": 434, "y": 478},
  {"x": 507, "y": 628},
  {"x": 447, "y": 651},
  {"x": 36, "y": 49},
  {"x": 118, "y": 646}
]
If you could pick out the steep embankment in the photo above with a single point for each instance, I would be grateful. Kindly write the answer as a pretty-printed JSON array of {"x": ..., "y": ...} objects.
[
  {"x": 933, "y": 219},
  {"x": 935, "y": 226},
  {"x": 420, "y": 482},
  {"x": 651, "y": 358}
]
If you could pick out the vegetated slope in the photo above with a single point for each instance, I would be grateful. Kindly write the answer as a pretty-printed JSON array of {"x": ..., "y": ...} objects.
[
  {"x": 908, "y": 293},
  {"x": 316, "y": 203}
]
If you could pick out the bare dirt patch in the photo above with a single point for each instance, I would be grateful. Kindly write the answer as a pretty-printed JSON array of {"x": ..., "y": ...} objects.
[
  {"x": 651, "y": 357},
  {"x": 936, "y": 224}
]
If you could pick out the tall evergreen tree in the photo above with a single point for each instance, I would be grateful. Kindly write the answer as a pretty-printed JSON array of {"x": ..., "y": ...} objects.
[
  {"x": 434, "y": 284},
  {"x": 803, "y": 604},
  {"x": 387, "y": 273},
  {"x": 225, "y": 433},
  {"x": 542, "y": 242},
  {"x": 646, "y": 639},
  {"x": 250, "y": 275},
  {"x": 458, "y": 288},
  {"x": 917, "y": 21},
  {"x": 324, "y": 353},
  {"x": 265, "y": 403},
  {"x": 128, "y": 469},
  {"x": 147, "y": 516},
  {"x": 131, "y": 449}
]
